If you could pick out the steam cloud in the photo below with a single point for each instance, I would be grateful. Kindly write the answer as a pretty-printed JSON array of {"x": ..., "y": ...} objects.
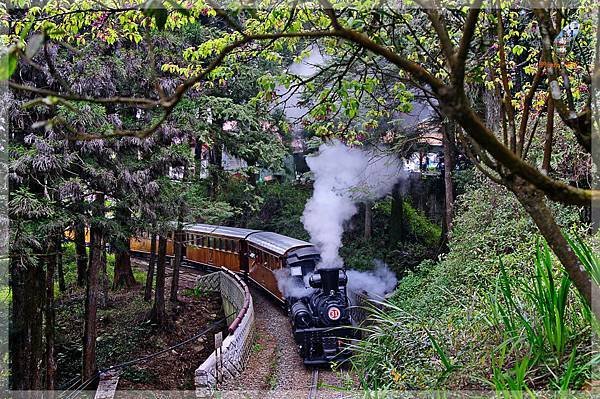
[
  {"x": 344, "y": 176},
  {"x": 376, "y": 283},
  {"x": 291, "y": 286}
]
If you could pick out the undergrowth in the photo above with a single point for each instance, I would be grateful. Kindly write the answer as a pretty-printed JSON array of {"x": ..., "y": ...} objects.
[{"x": 497, "y": 312}]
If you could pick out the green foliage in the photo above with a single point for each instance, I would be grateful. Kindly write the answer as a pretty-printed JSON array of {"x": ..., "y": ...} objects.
[
  {"x": 421, "y": 228},
  {"x": 421, "y": 240},
  {"x": 539, "y": 319},
  {"x": 196, "y": 292},
  {"x": 468, "y": 321},
  {"x": 281, "y": 209},
  {"x": 589, "y": 258},
  {"x": 136, "y": 374}
]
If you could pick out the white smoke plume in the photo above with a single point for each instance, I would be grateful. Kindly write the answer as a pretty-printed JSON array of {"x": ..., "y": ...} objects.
[
  {"x": 376, "y": 283},
  {"x": 291, "y": 286},
  {"x": 343, "y": 177}
]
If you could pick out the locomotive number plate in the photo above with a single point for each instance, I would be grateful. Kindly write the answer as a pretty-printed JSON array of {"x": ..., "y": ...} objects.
[{"x": 333, "y": 313}]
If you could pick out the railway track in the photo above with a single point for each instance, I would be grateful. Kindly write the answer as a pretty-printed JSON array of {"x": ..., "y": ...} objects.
[{"x": 314, "y": 384}]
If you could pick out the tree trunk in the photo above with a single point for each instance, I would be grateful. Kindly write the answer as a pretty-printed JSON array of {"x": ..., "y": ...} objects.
[
  {"x": 177, "y": 263},
  {"x": 81, "y": 254},
  {"x": 447, "y": 140},
  {"x": 216, "y": 161},
  {"x": 178, "y": 238},
  {"x": 548, "y": 137},
  {"x": 158, "y": 311},
  {"x": 396, "y": 233},
  {"x": 25, "y": 325},
  {"x": 103, "y": 279},
  {"x": 123, "y": 277},
  {"x": 91, "y": 295},
  {"x": 59, "y": 262},
  {"x": 368, "y": 221},
  {"x": 197, "y": 160},
  {"x": 151, "y": 263},
  {"x": 50, "y": 315},
  {"x": 533, "y": 200}
]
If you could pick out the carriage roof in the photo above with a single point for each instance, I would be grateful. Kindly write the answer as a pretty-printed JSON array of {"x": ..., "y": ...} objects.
[
  {"x": 233, "y": 232},
  {"x": 275, "y": 242}
]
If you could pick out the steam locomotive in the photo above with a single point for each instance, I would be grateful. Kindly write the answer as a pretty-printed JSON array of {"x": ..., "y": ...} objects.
[
  {"x": 321, "y": 321},
  {"x": 316, "y": 299}
]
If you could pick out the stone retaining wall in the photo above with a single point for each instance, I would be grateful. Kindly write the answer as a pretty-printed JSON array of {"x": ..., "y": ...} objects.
[{"x": 231, "y": 358}]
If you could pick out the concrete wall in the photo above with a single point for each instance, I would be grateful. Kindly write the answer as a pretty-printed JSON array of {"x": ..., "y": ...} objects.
[{"x": 229, "y": 360}]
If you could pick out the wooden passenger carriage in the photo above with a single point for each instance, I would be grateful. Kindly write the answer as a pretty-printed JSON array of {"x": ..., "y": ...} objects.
[
  {"x": 267, "y": 252},
  {"x": 142, "y": 243},
  {"x": 255, "y": 253},
  {"x": 217, "y": 246}
]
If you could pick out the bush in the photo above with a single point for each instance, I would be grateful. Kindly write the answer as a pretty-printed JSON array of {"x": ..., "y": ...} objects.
[{"x": 421, "y": 241}]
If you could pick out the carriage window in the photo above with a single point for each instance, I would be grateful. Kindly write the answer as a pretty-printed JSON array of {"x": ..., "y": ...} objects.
[
  {"x": 226, "y": 245},
  {"x": 234, "y": 246}
]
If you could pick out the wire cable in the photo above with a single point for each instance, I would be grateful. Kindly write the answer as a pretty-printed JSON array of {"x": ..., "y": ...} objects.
[{"x": 144, "y": 358}]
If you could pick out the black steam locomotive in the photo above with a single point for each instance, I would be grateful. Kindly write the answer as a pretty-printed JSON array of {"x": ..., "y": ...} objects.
[{"x": 321, "y": 321}]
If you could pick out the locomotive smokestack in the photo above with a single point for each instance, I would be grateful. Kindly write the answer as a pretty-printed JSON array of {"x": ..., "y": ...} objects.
[{"x": 329, "y": 280}]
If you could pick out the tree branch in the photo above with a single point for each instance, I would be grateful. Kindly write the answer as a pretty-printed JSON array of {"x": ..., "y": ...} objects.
[{"x": 465, "y": 42}]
